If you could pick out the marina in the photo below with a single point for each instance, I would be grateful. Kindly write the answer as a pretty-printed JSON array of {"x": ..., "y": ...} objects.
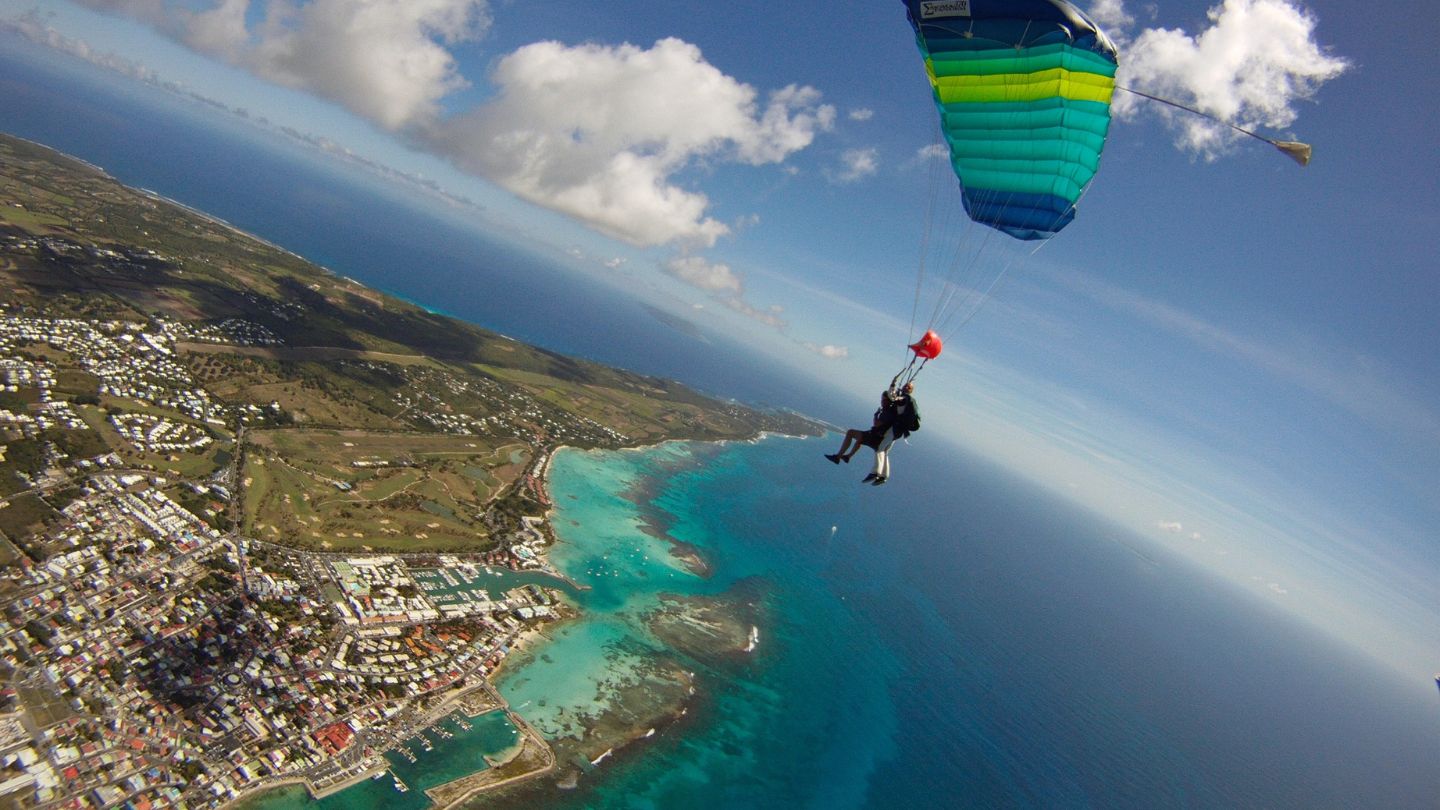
[{"x": 468, "y": 745}]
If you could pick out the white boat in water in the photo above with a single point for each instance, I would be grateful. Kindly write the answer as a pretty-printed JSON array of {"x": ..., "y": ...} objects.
[{"x": 754, "y": 639}]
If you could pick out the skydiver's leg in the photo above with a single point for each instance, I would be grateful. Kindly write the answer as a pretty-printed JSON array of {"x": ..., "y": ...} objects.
[
  {"x": 882, "y": 458},
  {"x": 851, "y": 437}
]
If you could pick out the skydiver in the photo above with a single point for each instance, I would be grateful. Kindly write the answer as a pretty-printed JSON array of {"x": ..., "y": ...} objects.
[{"x": 895, "y": 419}]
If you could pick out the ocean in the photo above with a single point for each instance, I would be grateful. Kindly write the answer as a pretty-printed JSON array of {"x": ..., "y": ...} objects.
[{"x": 956, "y": 638}]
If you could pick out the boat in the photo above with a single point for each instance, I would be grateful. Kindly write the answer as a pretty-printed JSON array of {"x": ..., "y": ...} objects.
[
  {"x": 754, "y": 639},
  {"x": 401, "y": 786}
]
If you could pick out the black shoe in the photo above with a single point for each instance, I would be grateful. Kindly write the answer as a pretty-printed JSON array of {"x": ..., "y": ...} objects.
[
  {"x": 867, "y": 479},
  {"x": 834, "y": 457},
  {"x": 878, "y": 481}
]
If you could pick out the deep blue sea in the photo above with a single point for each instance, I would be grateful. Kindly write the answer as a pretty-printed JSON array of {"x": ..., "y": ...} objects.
[{"x": 953, "y": 639}]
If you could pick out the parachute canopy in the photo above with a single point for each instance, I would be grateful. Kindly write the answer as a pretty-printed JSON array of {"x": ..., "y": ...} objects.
[{"x": 1023, "y": 89}]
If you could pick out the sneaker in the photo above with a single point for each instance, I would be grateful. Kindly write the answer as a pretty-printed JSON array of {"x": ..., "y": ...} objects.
[
  {"x": 834, "y": 457},
  {"x": 878, "y": 481},
  {"x": 867, "y": 479}
]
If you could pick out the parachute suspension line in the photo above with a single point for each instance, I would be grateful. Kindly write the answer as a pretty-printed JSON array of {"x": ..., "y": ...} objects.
[
  {"x": 932, "y": 208},
  {"x": 946, "y": 332},
  {"x": 974, "y": 299},
  {"x": 960, "y": 281},
  {"x": 1296, "y": 151},
  {"x": 944, "y": 329}
]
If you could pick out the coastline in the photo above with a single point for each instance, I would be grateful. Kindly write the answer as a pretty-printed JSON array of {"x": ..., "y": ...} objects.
[
  {"x": 615, "y": 734},
  {"x": 669, "y": 692}
]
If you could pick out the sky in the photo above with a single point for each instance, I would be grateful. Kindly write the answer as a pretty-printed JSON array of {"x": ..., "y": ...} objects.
[{"x": 1230, "y": 354}]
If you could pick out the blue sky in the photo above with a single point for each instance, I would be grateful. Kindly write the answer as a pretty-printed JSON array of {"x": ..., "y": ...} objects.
[{"x": 1230, "y": 354}]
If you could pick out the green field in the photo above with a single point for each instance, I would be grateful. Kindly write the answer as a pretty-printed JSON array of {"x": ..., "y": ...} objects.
[{"x": 302, "y": 487}]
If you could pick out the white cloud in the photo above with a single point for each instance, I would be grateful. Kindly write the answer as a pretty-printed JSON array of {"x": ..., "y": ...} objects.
[
  {"x": 855, "y": 164},
  {"x": 385, "y": 60},
  {"x": 861, "y": 114},
  {"x": 1112, "y": 17},
  {"x": 1249, "y": 67},
  {"x": 711, "y": 277},
  {"x": 725, "y": 285},
  {"x": 934, "y": 151},
  {"x": 648, "y": 113},
  {"x": 770, "y": 316},
  {"x": 1172, "y": 526},
  {"x": 610, "y": 162},
  {"x": 829, "y": 351},
  {"x": 34, "y": 27}
]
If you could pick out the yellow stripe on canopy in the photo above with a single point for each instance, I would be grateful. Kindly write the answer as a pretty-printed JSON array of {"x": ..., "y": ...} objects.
[{"x": 1057, "y": 82}]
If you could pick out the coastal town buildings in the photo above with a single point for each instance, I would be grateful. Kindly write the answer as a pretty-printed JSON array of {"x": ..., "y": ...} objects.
[{"x": 161, "y": 660}]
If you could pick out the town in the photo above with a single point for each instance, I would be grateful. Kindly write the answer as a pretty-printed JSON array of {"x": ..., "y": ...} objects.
[{"x": 154, "y": 659}]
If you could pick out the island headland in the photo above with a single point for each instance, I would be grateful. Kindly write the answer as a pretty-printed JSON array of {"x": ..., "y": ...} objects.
[{"x": 263, "y": 526}]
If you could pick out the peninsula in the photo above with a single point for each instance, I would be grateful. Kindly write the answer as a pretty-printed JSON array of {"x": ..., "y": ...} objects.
[{"x": 260, "y": 524}]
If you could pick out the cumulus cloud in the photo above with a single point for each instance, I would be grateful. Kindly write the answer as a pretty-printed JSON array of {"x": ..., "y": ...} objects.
[
  {"x": 855, "y": 164},
  {"x": 1112, "y": 17},
  {"x": 385, "y": 60},
  {"x": 647, "y": 114},
  {"x": 1250, "y": 66},
  {"x": 828, "y": 351},
  {"x": 724, "y": 285},
  {"x": 770, "y": 316},
  {"x": 35, "y": 28},
  {"x": 1172, "y": 526},
  {"x": 713, "y": 277},
  {"x": 934, "y": 151},
  {"x": 610, "y": 162},
  {"x": 861, "y": 114}
]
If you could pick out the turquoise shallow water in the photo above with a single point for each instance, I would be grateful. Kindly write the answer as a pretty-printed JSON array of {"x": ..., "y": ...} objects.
[{"x": 818, "y": 679}]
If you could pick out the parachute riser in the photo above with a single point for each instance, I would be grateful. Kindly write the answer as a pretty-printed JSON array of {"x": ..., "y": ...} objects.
[
  {"x": 895, "y": 382},
  {"x": 908, "y": 374}
]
